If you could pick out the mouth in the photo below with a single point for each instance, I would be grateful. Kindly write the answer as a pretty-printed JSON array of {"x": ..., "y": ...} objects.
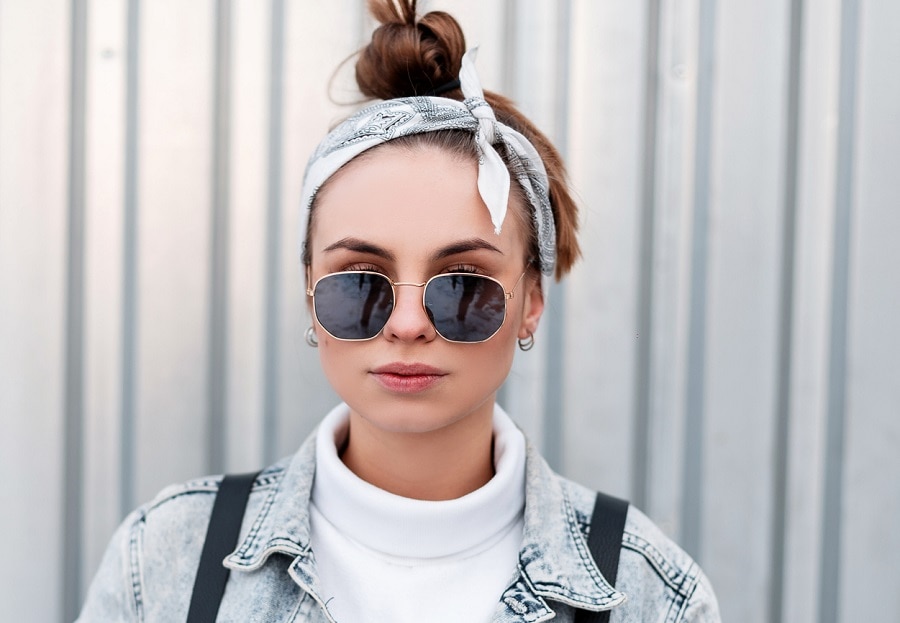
[{"x": 407, "y": 378}]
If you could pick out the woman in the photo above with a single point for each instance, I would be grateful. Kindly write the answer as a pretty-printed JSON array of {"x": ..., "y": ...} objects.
[{"x": 432, "y": 215}]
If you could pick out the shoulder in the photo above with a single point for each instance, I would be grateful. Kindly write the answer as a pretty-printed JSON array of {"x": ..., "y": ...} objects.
[
  {"x": 184, "y": 506},
  {"x": 149, "y": 567},
  {"x": 657, "y": 575},
  {"x": 203, "y": 490},
  {"x": 171, "y": 528}
]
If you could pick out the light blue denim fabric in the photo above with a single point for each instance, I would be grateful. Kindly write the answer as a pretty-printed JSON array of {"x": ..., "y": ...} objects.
[{"x": 148, "y": 570}]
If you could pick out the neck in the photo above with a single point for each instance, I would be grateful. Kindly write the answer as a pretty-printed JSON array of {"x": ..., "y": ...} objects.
[{"x": 444, "y": 464}]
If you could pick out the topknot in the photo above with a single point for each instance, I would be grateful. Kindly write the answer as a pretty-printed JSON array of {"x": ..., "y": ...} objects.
[{"x": 409, "y": 56}]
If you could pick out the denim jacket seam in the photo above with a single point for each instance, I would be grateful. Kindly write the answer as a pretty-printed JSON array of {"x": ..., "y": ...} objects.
[
  {"x": 292, "y": 618},
  {"x": 561, "y": 592},
  {"x": 275, "y": 545},
  {"x": 250, "y": 540},
  {"x": 578, "y": 536},
  {"x": 538, "y": 594},
  {"x": 207, "y": 485},
  {"x": 136, "y": 570},
  {"x": 671, "y": 574},
  {"x": 692, "y": 580}
]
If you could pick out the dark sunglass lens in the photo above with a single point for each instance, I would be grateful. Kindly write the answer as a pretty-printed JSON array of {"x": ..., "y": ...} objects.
[
  {"x": 465, "y": 308},
  {"x": 353, "y": 305}
]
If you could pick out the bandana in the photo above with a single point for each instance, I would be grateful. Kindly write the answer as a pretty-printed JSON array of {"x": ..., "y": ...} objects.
[{"x": 389, "y": 119}]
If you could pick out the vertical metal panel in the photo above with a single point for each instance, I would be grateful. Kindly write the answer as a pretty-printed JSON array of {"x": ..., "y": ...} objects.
[
  {"x": 104, "y": 168},
  {"x": 812, "y": 286},
  {"x": 604, "y": 161},
  {"x": 130, "y": 260},
  {"x": 745, "y": 227},
  {"x": 694, "y": 446},
  {"x": 273, "y": 282},
  {"x": 35, "y": 70},
  {"x": 175, "y": 108},
  {"x": 220, "y": 219},
  {"x": 870, "y": 529},
  {"x": 246, "y": 177},
  {"x": 642, "y": 387},
  {"x": 510, "y": 10},
  {"x": 832, "y": 529},
  {"x": 676, "y": 135},
  {"x": 785, "y": 341},
  {"x": 73, "y": 409}
]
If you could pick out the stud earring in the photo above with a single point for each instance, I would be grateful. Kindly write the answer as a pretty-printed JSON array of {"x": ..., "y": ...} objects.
[
  {"x": 310, "y": 336},
  {"x": 527, "y": 343}
]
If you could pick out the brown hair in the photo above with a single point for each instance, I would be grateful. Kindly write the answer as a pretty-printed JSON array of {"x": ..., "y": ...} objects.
[{"x": 409, "y": 56}]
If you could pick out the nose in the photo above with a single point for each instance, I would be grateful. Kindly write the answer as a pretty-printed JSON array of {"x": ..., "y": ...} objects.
[{"x": 408, "y": 321}]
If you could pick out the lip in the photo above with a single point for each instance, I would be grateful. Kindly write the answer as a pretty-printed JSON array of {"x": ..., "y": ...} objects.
[{"x": 407, "y": 378}]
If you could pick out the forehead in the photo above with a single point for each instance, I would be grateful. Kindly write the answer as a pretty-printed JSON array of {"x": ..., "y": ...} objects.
[{"x": 411, "y": 201}]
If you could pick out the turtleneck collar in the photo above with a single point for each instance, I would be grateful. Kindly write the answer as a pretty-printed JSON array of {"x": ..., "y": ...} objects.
[{"x": 404, "y": 527}]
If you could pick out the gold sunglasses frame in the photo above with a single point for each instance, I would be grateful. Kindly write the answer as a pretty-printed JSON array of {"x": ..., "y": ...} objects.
[{"x": 507, "y": 296}]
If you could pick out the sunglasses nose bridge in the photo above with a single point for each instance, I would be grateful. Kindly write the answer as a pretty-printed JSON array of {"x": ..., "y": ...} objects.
[
  {"x": 410, "y": 284},
  {"x": 410, "y": 318}
]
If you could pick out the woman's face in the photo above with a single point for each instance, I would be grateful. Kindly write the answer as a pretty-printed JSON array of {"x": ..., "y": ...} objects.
[{"x": 412, "y": 214}]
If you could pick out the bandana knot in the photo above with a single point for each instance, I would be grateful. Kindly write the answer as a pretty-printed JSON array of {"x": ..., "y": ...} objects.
[{"x": 487, "y": 121}]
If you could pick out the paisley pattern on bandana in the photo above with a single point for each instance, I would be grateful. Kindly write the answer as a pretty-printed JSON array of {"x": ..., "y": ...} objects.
[{"x": 387, "y": 120}]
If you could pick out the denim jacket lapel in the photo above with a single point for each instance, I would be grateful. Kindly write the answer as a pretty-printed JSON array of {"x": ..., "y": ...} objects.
[{"x": 554, "y": 561}]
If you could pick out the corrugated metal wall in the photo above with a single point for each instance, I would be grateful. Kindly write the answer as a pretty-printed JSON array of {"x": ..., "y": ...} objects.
[{"x": 726, "y": 355}]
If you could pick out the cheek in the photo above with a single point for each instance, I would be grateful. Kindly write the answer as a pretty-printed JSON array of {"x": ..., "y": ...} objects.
[
  {"x": 496, "y": 355},
  {"x": 335, "y": 358}
]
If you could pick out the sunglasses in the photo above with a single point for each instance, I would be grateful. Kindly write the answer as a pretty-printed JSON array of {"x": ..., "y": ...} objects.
[{"x": 462, "y": 307}]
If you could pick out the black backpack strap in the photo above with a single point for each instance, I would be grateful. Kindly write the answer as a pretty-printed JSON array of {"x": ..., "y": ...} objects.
[
  {"x": 605, "y": 542},
  {"x": 221, "y": 539}
]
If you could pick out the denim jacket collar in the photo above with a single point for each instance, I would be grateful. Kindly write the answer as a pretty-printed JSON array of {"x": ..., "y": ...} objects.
[{"x": 554, "y": 561}]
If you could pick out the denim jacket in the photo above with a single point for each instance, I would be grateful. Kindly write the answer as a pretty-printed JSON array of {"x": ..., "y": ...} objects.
[{"x": 148, "y": 570}]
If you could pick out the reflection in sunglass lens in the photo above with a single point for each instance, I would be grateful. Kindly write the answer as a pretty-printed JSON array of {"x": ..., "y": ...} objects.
[
  {"x": 465, "y": 308},
  {"x": 353, "y": 305}
]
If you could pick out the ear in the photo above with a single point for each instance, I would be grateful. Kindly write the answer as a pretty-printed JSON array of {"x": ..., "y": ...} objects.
[{"x": 533, "y": 308}]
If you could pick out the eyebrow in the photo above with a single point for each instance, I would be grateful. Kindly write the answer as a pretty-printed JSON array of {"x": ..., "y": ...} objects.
[
  {"x": 361, "y": 246},
  {"x": 463, "y": 246}
]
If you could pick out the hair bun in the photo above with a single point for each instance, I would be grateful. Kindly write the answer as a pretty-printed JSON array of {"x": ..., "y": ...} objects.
[{"x": 409, "y": 56}]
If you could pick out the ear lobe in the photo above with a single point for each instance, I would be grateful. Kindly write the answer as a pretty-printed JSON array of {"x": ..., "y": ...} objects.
[{"x": 533, "y": 308}]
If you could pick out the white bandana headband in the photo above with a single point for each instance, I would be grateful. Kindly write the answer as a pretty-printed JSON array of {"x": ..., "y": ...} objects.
[{"x": 386, "y": 120}]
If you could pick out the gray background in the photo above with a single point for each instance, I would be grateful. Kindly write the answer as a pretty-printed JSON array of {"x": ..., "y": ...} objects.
[{"x": 725, "y": 355}]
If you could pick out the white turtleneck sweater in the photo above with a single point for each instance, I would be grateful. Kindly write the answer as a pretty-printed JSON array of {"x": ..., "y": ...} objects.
[{"x": 382, "y": 557}]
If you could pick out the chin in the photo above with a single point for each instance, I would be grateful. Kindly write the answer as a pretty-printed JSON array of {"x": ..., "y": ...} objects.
[{"x": 406, "y": 415}]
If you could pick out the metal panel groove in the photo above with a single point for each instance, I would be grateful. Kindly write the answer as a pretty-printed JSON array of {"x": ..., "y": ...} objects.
[
  {"x": 692, "y": 502},
  {"x": 74, "y": 388},
  {"x": 555, "y": 312},
  {"x": 219, "y": 220},
  {"x": 129, "y": 258},
  {"x": 832, "y": 510},
  {"x": 644, "y": 305},
  {"x": 273, "y": 236},
  {"x": 783, "y": 370}
]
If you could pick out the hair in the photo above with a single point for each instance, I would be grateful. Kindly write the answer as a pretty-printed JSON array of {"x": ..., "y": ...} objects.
[{"x": 411, "y": 55}]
